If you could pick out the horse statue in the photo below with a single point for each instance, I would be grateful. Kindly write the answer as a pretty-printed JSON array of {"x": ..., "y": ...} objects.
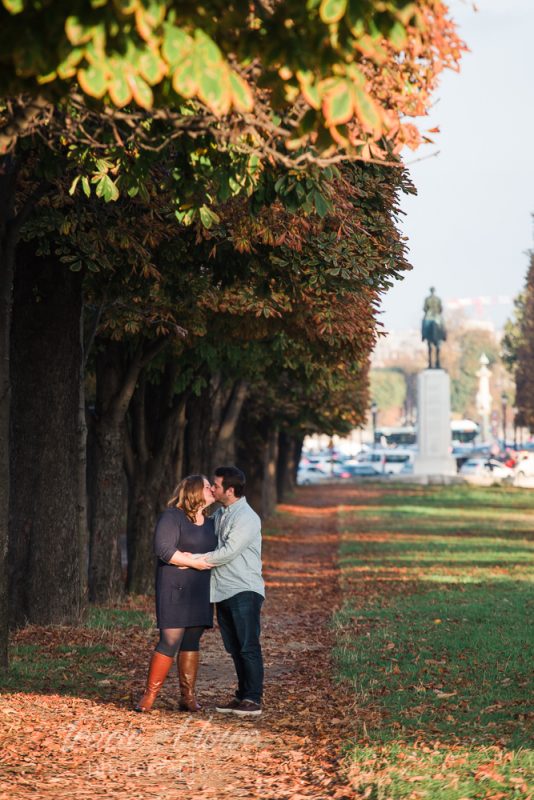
[{"x": 433, "y": 328}]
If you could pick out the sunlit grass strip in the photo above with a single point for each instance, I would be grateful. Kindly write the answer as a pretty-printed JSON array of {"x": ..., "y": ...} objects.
[{"x": 441, "y": 676}]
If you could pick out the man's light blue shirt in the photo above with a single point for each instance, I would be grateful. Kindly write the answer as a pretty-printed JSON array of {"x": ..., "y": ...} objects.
[{"x": 237, "y": 559}]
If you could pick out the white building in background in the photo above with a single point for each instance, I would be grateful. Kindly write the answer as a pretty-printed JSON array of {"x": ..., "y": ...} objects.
[
  {"x": 395, "y": 345},
  {"x": 349, "y": 445}
]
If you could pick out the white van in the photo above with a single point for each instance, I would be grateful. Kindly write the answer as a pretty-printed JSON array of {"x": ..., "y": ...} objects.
[{"x": 389, "y": 461}]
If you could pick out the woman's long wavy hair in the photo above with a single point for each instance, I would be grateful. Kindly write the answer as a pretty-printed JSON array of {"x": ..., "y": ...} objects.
[{"x": 189, "y": 495}]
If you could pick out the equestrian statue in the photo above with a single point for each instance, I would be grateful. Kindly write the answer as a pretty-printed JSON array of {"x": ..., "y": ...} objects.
[{"x": 433, "y": 327}]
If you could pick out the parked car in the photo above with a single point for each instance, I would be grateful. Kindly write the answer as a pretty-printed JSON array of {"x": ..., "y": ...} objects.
[
  {"x": 486, "y": 467},
  {"x": 525, "y": 466},
  {"x": 309, "y": 474}
]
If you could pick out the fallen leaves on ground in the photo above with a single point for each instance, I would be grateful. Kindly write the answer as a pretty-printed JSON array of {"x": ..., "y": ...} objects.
[{"x": 75, "y": 736}]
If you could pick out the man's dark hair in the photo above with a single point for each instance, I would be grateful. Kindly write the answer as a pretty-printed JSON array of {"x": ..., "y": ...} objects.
[{"x": 232, "y": 477}]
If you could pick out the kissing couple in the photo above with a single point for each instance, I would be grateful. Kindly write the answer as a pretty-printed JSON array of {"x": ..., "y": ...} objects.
[{"x": 204, "y": 560}]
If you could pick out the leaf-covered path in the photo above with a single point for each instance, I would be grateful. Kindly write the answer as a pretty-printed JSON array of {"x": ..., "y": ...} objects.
[{"x": 80, "y": 739}]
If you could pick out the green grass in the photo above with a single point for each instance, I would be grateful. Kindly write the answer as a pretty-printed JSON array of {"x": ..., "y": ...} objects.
[
  {"x": 88, "y": 670},
  {"x": 103, "y": 618},
  {"x": 436, "y": 638},
  {"x": 83, "y": 662}
]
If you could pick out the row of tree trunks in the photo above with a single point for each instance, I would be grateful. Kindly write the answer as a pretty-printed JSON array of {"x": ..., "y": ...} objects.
[
  {"x": 143, "y": 426},
  {"x": 46, "y": 537}
]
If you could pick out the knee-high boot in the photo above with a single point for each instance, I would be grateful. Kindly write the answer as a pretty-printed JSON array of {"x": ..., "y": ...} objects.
[
  {"x": 187, "y": 676},
  {"x": 158, "y": 670}
]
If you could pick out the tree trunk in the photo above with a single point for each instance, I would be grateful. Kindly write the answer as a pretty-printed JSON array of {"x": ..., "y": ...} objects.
[
  {"x": 105, "y": 479},
  {"x": 45, "y": 544},
  {"x": 224, "y": 449},
  {"x": 257, "y": 456},
  {"x": 117, "y": 376},
  {"x": 212, "y": 419},
  {"x": 198, "y": 451},
  {"x": 153, "y": 463},
  {"x": 289, "y": 449},
  {"x": 269, "y": 489},
  {"x": 7, "y": 198}
]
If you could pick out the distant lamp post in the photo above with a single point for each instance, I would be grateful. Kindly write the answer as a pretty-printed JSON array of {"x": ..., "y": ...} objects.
[
  {"x": 504, "y": 407},
  {"x": 483, "y": 398},
  {"x": 374, "y": 412}
]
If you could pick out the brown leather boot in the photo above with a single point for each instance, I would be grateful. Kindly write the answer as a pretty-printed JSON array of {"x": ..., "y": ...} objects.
[
  {"x": 157, "y": 672},
  {"x": 187, "y": 676}
]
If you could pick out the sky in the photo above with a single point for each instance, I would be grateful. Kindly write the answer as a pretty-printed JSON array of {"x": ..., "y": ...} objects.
[{"x": 470, "y": 225}]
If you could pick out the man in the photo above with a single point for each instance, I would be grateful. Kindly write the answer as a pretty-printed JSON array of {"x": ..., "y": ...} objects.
[{"x": 238, "y": 589}]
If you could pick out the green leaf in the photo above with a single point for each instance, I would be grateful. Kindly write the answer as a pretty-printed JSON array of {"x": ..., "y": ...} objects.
[
  {"x": 337, "y": 103},
  {"x": 14, "y": 6},
  {"x": 86, "y": 186},
  {"x": 107, "y": 189},
  {"x": 74, "y": 184},
  {"x": 322, "y": 205},
  {"x": 309, "y": 89},
  {"x": 367, "y": 112},
  {"x": 118, "y": 87},
  {"x": 213, "y": 87},
  {"x": 332, "y": 10},
  {"x": 242, "y": 96},
  {"x": 151, "y": 68},
  {"x": 67, "y": 68},
  {"x": 77, "y": 32},
  {"x": 142, "y": 93},
  {"x": 76, "y": 266},
  {"x": 208, "y": 217},
  {"x": 93, "y": 80},
  {"x": 206, "y": 50},
  {"x": 183, "y": 79},
  {"x": 177, "y": 45}
]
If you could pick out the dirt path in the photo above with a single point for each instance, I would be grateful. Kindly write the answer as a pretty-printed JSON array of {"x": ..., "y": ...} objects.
[{"x": 71, "y": 746}]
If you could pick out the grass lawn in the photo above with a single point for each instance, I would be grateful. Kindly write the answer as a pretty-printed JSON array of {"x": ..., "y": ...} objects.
[
  {"x": 89, "y": 660},
  {"x": 436, "y": 636}
]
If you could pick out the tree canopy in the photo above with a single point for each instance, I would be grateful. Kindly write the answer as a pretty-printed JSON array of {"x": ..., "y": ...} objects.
[
  {"x": 518, "y": 347},
  {"x": 313, "y": 76}
]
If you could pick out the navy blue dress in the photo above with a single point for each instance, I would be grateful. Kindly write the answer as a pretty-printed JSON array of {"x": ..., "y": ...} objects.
[{"x": 182, "y": 595}]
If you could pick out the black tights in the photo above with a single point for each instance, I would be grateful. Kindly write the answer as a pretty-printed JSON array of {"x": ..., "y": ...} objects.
[{"x": 171, "y": 640}]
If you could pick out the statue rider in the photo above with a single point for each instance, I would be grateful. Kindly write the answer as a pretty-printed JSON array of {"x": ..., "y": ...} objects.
[
  {"x": 433, "y": 328},
  {"x": 433, "y": 308}
]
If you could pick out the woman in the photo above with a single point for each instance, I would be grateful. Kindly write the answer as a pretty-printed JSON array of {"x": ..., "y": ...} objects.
[{"x": 183, "y": 605}]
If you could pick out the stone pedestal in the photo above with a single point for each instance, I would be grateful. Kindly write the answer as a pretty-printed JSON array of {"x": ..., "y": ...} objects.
[{"x": 434, "y": 424}]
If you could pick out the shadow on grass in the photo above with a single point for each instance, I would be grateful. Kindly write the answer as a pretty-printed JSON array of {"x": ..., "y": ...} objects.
[{"x": 90, "y": 661}]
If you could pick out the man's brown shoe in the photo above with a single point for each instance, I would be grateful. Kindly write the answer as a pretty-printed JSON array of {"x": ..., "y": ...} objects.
[
  {"x": 228, "y": 708},
  {"x": 247, "y": 708}
]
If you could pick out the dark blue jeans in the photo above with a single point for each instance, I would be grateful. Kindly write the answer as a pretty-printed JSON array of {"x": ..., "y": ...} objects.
[{"x": 239, "y": 621}]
